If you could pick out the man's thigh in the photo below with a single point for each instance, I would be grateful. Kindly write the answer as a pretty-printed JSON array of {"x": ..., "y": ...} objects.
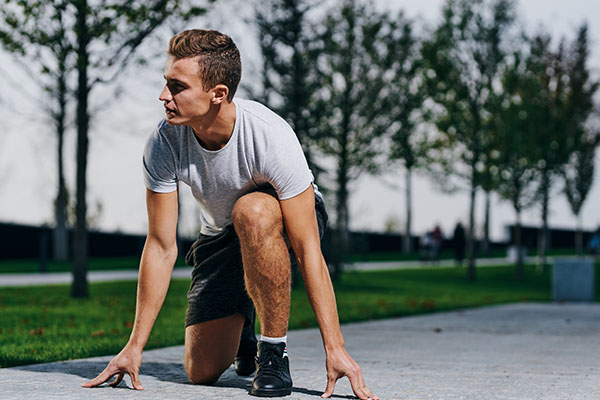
[{"x": 211, "y": 346}]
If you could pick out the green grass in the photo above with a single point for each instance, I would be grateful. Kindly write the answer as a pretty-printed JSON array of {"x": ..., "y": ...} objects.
[{"x": 42, "y": 324}]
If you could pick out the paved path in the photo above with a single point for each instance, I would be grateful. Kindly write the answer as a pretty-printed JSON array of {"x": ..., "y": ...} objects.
[
  {"x": 31, "y": 279},
  {"x": 519, "y": 351},
  {"x": 385, "y": 265}
]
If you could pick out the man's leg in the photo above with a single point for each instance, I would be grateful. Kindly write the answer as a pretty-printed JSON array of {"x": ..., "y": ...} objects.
[
  {"x": 258, "y": 223},
  {"x": 210, "y": 347}
]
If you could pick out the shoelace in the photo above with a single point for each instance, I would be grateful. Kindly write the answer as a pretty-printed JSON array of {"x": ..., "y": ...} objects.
[{"x": 269, "y": 364}]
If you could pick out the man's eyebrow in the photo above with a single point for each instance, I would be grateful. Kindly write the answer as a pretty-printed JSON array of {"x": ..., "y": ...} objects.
[{"x": 174, "y": 80}]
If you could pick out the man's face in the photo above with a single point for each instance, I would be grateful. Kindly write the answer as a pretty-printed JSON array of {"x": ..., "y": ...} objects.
[{"x": 185, "y": 100}]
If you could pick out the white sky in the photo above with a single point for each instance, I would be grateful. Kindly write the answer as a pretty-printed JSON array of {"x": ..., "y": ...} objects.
[{"x": 120, "y": 128}]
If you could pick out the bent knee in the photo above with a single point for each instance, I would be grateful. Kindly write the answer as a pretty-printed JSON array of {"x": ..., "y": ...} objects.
[
  {"x": 203, "y": 374},
  {"x": 257, "y": 213}
]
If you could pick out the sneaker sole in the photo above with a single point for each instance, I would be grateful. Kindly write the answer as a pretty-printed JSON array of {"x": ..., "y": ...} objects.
[{"x": 271, "y": 392}]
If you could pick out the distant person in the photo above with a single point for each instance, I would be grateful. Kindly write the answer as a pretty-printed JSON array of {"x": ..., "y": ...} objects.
[
  {"x": 458, "y": 243},
  {"x": 426, "y": 246},
  {"x": 247, "y": 171}
]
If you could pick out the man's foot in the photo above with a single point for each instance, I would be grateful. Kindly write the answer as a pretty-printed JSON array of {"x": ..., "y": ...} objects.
[
  {"x": 244, "y": 363},
  {"x": 272, "y": 377}
]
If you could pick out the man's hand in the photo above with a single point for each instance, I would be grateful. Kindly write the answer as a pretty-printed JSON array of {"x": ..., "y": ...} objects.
[
  {"x": 128, "y": 362},
  {"x": 339, "y": 364}
]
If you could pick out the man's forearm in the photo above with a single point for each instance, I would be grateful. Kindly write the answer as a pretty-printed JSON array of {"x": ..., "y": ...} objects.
[
  {"x": 156, "y": 267},
  {"x": 322, "y": 298}
]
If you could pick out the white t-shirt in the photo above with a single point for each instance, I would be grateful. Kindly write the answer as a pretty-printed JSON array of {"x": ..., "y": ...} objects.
[{"x": 263, "y": 152}]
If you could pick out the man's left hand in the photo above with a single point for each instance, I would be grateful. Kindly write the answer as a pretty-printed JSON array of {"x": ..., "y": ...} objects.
[{"x": 340, "y": 364}]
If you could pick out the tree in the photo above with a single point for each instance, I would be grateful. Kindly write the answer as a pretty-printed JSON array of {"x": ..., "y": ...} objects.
[
  {"x": 513, "y": 168},
  {"x": 547, "y": 67},
  {"x": 350, "y": 64},
  {"x": 578, "y": 175},
  {"x": 39, "y": 31},
  {"x": 288, "y": 73},
  {"x": 103, "y": 42},
  {"x": 463, "y": 61},
  {"x": 582, "y": 139},
  {"x": 403, "y": 108}
]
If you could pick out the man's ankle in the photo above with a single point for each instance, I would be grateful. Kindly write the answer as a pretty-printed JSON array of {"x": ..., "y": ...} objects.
[{"x": 273, "y": 340}]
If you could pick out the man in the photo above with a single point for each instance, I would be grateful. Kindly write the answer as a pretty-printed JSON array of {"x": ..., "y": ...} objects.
[{"x": 247, "y": 171}]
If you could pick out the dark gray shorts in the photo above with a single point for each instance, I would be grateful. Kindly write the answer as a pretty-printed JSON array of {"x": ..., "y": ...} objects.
[{"x": 217, "y": 289}]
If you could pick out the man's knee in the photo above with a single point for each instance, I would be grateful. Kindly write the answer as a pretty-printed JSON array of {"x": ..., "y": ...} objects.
[
  {"x": 203, "y": 373},
  {"x": 257, "y": 214},
  {"x": 210, "y": 348}
]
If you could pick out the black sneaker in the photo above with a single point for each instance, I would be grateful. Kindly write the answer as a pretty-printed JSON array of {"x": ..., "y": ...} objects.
[
  {"x": 272, "y": 377},
  {"x": 244, "y": 364}
]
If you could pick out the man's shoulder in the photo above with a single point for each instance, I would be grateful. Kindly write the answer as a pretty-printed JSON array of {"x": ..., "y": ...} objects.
[{"x": 260, "y": 113}]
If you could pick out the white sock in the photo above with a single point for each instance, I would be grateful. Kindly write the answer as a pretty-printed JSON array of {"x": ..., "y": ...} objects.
[{"x": 275, "y": 340}]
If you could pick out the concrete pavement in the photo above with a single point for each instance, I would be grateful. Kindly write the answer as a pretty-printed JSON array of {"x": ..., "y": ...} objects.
[
  {"x": 54, "y": 278},
  {"x": 518, "y": 351}
]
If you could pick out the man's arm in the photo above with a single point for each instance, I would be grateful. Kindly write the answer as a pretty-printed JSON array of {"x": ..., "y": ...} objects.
[
  {"x": 156, "y": 267},
  {"x": 302, "y": 230}
]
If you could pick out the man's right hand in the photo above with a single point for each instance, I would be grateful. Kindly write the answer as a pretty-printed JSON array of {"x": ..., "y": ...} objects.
[{"x": 128, "y": 361}]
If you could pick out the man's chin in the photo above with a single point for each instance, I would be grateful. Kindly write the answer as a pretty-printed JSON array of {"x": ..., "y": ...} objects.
[{"x": 173, "y": 120}]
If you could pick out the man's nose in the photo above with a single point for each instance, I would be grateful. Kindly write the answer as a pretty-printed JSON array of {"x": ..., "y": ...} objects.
[{"x": 165, "y": 95}]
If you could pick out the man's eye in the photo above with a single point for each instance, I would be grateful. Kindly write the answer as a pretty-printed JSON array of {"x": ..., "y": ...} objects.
[{"x": 176, "y": 88}]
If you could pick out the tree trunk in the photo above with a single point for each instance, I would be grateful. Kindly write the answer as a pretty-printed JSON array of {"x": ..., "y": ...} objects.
[
  {"x": 471, "y": 236},
  {"x": 519, "y": 247},
  {"x": 485, "y": 247},
  {"x": 543, "y": 235},
  {"x": 79, "y": 287},
  {"x": 342, "y": 232},
  {"x": 60, "y": 233},
  {"x": 579, "y": 236},
  {"x": 407, "y": 240}
]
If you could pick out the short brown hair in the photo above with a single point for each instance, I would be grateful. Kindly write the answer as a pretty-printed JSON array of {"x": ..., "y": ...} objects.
[{"x": 218, "y": 57}]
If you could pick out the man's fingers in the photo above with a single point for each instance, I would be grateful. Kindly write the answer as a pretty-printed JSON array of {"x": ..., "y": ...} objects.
[
  {"x": 360, "y": 388},
  {"x": 100, "y": 379},
  {"x": 117, "y": 380},
  {"x": 330, "y": 387},
  {"x": 135, "y": 380}
]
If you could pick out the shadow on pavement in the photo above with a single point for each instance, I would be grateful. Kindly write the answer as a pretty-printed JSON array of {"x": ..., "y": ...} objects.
[
  {"x": 318, "y": 393},
  {"x": 167, "y": 372}
]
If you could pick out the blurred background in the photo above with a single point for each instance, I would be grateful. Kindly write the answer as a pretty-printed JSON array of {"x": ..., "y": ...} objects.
[{"x": 414, "y": 116}]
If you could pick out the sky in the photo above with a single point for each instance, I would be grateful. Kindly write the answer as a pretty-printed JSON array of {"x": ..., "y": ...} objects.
[{"x": 122, "y": 123}]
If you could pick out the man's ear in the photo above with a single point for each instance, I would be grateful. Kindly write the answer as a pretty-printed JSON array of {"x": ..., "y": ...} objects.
[{"x": 220, "y": 93}]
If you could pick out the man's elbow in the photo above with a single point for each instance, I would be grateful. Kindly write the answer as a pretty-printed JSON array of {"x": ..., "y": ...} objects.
[{"x": 166, "y": 250}]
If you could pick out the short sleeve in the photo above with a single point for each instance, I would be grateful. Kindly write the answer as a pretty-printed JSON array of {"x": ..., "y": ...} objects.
[
  {"x": 160, "y": 172},
  {"x": 286, "y": 168}
]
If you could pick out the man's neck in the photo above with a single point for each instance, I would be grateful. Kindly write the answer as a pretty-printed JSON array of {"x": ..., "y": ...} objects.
[{"x": 215, "y": 130}]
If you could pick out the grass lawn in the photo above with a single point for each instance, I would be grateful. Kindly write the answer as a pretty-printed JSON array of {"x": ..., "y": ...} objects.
[{"x": 41, "y": 324}]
